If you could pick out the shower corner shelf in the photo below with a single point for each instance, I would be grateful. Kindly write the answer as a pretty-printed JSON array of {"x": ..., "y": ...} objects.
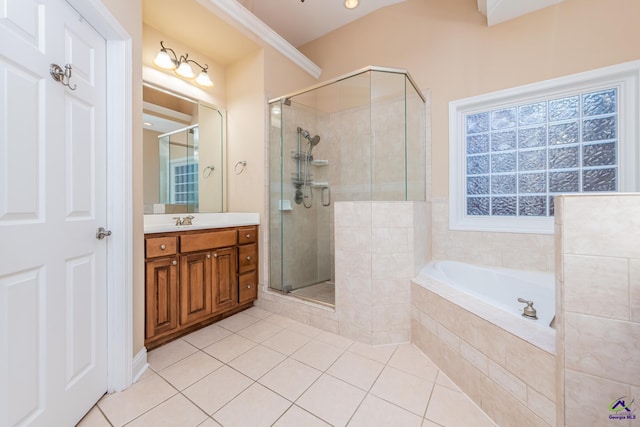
[
  {"x": 320, "y": 184},
  {"x": 319, "y": 162}
]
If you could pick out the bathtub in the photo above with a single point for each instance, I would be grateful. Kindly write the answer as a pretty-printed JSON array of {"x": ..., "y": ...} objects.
[
  {"x": 492, "y": 293},
  {"x": 467, "y": 319}
]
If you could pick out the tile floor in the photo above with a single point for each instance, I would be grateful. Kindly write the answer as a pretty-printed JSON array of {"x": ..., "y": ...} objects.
[
  {"x": 323, "y": 293},
  {"x": 261, "y": 369}
]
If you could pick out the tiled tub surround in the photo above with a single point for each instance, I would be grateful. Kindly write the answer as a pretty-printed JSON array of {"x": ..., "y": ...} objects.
[
  {"x": 379, "y": 247},
  {"x": 532, "y": 252},
  {"x": 599, "y": 295},
  {"x": 511, "y": 379}
]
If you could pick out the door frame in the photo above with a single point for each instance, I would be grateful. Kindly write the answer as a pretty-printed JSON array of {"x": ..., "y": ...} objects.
[{"x": 119, "y": 138}]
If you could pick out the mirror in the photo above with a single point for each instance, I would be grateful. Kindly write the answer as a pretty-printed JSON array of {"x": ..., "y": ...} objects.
[{"x": 184, "y": 154}]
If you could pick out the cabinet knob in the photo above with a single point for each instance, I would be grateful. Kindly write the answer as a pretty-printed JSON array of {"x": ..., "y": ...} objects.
[
  {"x": 248, "y": 236},
  {"x": 215, "y": 255},
  {"x": 248, "y": 258},
  {"x": 174, "y": 262},
  {"x": 209, "y": 256},
  {"x": 248, "y": 286},
  {"x": 163, "y": 246}
]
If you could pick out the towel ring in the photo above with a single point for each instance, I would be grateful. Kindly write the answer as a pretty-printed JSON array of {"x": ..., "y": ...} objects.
[
  {"x": 239, "y": 170},
  {"x": 206, "y": 172}
]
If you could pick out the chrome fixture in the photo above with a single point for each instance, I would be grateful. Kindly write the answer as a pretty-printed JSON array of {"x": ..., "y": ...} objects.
[
  {"x": 62, "y": 76},
  {"x": 529, "y": 312},
  {"x": 187, "y": 220},
  {"x": 102, "y": 233},
  {"x": 240, "y": 167},
  {"x": 181, "y": 65},
  {"x": 302, "y": 179}
]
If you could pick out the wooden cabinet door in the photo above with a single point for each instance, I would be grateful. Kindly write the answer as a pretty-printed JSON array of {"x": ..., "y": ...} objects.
[
  {"x": 195, "y": 287},
  {"x": 225, "y": 282},
  {"x": 161, "y": 296}
]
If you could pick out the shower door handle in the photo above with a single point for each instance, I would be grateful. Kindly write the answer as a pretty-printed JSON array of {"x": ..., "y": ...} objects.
[{"x": 326, "y": 196}]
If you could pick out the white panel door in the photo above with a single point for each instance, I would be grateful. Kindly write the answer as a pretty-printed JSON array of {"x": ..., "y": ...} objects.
[{"x": 53, "y": 336}]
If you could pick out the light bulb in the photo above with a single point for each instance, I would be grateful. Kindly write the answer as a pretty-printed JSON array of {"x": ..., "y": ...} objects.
[
  {"x": 163, "y": 60},
  {"x": 203, "y": 79},
  {"x": 185, "y": 70},
  {"x": 351, "y": 4}
]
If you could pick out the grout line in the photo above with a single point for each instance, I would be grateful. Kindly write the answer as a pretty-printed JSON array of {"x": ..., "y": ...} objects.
[{"x": 293, "y": 403}]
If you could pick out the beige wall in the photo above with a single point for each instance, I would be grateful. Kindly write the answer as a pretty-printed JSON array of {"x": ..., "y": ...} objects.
[
  {"x": 246, "y": 124},
  {"x": 448, "y": 48},
  {"x": 282, "y": 76}
]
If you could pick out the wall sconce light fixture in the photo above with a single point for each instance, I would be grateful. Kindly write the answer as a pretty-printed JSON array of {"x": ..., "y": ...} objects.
[{"x": 181, "y": 65}]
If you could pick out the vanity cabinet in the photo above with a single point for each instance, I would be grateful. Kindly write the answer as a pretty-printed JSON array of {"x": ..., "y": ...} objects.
[
  {"x": 161, "y": 286},
  {"x": 248, "y": 264},
  {"x": 196, "y": 277}
]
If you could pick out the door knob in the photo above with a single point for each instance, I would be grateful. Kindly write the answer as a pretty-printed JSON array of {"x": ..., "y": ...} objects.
[{"x": 102, "y": 233}]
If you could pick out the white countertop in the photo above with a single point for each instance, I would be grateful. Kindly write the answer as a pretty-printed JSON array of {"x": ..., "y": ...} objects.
[{"x": 163, "y": 223}]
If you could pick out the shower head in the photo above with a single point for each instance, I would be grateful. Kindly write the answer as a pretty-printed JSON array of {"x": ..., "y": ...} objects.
[
  {"x": 306, "y": 135},
  {"x": 314, "y": 141}
]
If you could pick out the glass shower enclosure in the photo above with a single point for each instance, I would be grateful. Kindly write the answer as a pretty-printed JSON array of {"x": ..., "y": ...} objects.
[
  {"x": 360, "y": 137},
  {"x": 178, "y": 165}
]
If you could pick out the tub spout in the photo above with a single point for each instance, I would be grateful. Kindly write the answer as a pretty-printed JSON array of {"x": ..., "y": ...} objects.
[
  {"x": 529, "y": 312},
  {"x": 553, "y": 323}
]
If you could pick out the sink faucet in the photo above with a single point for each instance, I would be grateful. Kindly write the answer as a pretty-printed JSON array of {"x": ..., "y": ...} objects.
[{"x": 184, "y": 221}]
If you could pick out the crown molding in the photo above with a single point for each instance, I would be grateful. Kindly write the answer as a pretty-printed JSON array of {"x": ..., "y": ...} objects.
[{"x": 238, "y": 15}]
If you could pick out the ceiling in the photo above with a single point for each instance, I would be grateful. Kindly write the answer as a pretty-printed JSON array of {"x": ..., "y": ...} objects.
[
  {"x": 227, "y": 30},
  {"x": 301, "y": 21}
]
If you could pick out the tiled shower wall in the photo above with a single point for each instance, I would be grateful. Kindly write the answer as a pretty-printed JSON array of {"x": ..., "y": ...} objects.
[
  {"x": 598, "y": 306},
  {"x": 510, "y": 250},
  {"x": 379, "y": 247}
]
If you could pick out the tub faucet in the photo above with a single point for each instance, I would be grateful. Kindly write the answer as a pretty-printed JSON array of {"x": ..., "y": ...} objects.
[{"x": 529, "y": 312}]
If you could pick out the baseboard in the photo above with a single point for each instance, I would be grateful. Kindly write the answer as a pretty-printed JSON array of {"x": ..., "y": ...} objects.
[{"x": 139, "y": 364}]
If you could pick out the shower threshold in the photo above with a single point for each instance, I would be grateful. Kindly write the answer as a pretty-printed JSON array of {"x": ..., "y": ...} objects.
[{"x": 322, "y": 293}]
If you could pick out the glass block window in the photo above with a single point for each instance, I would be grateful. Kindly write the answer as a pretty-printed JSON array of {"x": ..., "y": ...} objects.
[
  {"x": 518, "y": 158},
  {"x": 512, "y": 152},
  {"x": 184, "y": 180}
]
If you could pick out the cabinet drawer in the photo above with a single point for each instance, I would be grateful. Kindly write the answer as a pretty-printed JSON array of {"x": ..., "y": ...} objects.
[
  {"x": 204, "y": 241},
  {"x": 247, "y": 235},
  {"x": 160, "y": 246},
  {"x": 247, "y": 258},
  {"x": 248, "y": 284}
]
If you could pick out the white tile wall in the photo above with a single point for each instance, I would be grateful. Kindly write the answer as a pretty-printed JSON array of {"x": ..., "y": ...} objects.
[
  {"x": 510, "y": 250},
  {"x": 597, "y": 306},
  {"x": 378, "y": 245}
]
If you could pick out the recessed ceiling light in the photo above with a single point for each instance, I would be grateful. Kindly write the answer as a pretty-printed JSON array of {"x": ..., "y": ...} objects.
[{"x": 351, "y": 4}]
